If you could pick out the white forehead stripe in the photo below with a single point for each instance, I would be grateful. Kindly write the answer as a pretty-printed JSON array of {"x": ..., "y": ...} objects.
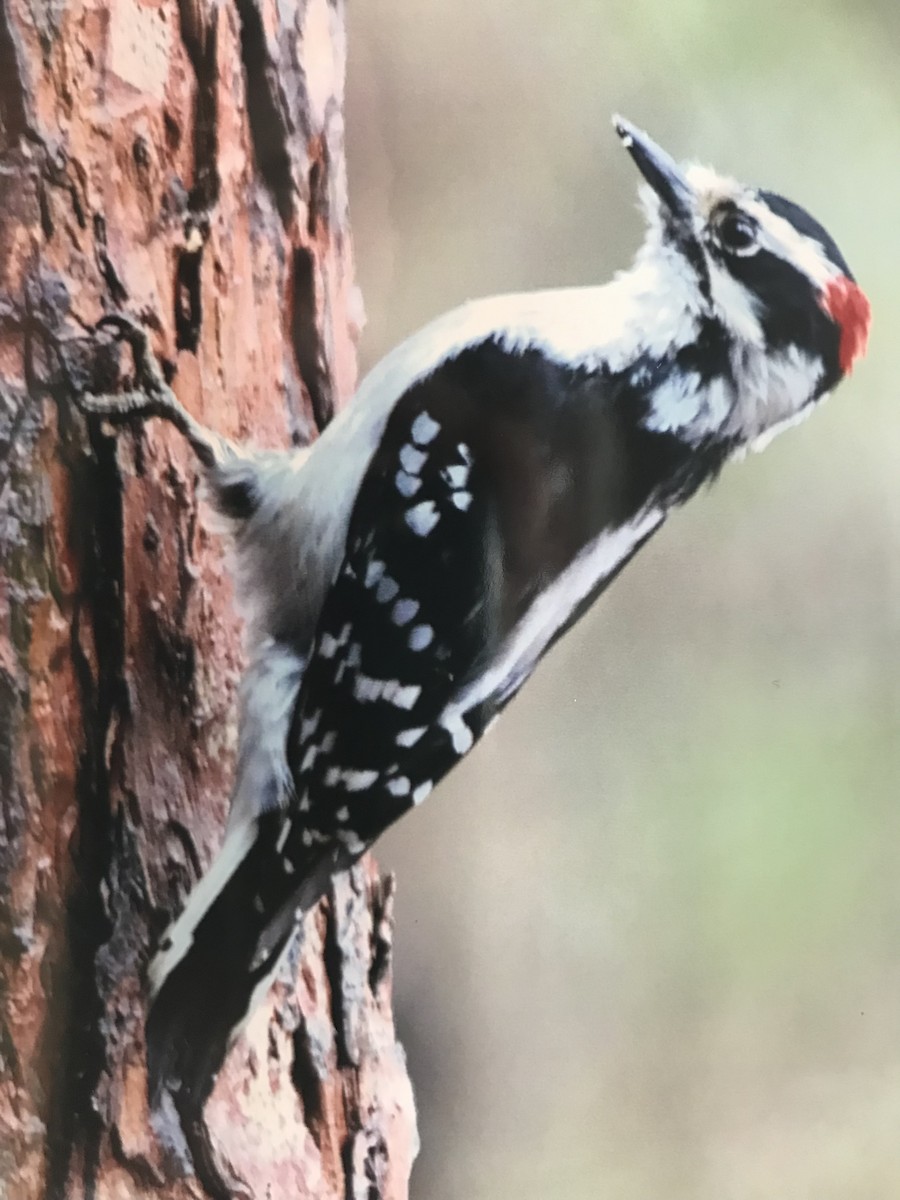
[
  {"x": 736, "y": 305},
  {"x": 780, "y": 237}
]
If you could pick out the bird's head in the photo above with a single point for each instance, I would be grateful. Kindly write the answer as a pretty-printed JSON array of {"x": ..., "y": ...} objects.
[{"x": 761, "y": 270}]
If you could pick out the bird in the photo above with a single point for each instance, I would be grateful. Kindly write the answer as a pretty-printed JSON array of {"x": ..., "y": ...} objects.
[{"x": 406, "y": 574}]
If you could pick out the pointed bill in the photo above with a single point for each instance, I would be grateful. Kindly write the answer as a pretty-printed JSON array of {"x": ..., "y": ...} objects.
[{"x": 659, "y": 169}]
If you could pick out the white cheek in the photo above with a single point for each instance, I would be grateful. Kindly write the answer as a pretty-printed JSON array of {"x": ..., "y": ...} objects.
[{"x": 736, "y": 306}]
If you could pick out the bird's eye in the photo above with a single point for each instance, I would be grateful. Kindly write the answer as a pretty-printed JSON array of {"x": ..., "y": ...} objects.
[{"x": 736, "y": 233}]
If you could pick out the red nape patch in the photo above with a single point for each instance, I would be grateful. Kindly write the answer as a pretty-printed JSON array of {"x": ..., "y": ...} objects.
[{"x": 848, "y": 307}]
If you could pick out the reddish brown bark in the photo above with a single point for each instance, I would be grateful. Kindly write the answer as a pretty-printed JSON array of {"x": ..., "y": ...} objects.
[{"x": 182, "y": 162}]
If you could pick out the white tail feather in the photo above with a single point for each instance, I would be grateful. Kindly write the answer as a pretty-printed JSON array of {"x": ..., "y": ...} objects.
[{"x": 177, "y": 940}]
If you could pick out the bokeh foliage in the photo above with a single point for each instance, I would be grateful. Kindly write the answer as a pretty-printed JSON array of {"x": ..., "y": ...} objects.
[{"x": 649, "y": 940}]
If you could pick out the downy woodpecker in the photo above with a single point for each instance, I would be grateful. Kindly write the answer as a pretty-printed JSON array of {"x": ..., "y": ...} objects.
[{"x": 492, "y": 476}]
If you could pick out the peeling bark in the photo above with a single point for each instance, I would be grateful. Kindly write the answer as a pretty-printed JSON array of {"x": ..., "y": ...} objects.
[{"x": 182, "y": 161}]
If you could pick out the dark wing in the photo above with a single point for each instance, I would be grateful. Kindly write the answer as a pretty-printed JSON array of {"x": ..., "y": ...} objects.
[
  {"x": 493, "y": 477},
  {"x": 418, "y": 602}
]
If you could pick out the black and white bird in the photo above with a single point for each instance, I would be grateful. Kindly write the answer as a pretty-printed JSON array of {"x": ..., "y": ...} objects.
[{"x": 491, "y": 477}]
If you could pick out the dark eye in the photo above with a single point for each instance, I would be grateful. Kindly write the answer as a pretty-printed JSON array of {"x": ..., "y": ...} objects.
[{"x": 736, "y": 233}]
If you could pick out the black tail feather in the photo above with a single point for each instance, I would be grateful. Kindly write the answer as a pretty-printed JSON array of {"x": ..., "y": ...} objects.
[{"x": 230, "y": 953}]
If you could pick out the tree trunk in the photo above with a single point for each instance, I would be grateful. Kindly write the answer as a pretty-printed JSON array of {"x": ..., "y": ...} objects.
[{"x": 181, "y": 162}]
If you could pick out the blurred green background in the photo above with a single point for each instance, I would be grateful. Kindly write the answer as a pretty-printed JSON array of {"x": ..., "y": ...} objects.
[{"x": 649, "y": 933}]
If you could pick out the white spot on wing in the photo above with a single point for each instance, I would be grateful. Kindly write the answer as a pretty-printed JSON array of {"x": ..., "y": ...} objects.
[
  {"x": 405, "y": 697},
  {"x": 422, "y": 518},
  {"x": 424, "y": 429},
  {"x": 462, "y": 500},
  {"x": 399, "y": 786},
  {"x": 387, "y": 589},
  {"x": 420, "y": 637},
  {"x": 283, "y": 835},
  {"x": 411, "y": 459},
  {"x": 404, "y": 611},
  {"x": 352, "y": 840},
  {"x": 455, "y": 477},
  {"x": 460, "y": 734},
  {"x": 366, "y": 689},
  {"x": 374, "y": 572},
  {"x": 409, "y": 737},
  {"x": 423, "y": 790},
  {"x": 407, "y": 485},
  {"x": 308, "y": 725},
  {"x": 328, "y": 646},
  {"x": 358, "y": 781}
]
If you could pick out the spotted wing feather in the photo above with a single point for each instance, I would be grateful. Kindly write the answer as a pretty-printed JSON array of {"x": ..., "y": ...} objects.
[{"x": 403, "y": 624}]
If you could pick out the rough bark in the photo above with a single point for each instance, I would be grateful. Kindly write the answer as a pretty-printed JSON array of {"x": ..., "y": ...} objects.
[{"x": 182, "y": 162}]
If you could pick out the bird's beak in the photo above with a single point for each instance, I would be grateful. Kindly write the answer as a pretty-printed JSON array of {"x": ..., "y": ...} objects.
[{"x": 659, "y": 169}]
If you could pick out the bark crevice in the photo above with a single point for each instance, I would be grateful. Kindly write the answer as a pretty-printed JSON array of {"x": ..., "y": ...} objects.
[
  {"x": 74, "y": 1129},
  {"x": 305, "y": 338},
  {"x": 199, "y": 26},
  {"x": 15, "y": 118},
  {"x": 268, "y": 126}
]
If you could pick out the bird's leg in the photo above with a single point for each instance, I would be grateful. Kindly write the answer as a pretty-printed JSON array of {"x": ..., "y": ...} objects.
[{"x": 151, "y": 396}]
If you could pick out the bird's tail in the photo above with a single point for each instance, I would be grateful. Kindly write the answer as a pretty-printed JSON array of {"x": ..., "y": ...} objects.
[{"x": 217, "y": 959}]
